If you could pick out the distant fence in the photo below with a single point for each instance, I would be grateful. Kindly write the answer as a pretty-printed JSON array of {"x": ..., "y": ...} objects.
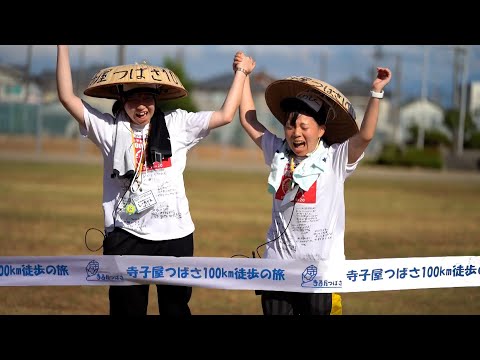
[
  {"x": 34, "y": 119},
  {"x": 52, "y": 120},
  {"x": 19, "y": 118},
  {"x": 36, "y": 131},
  {"x": 49, "y": 128}
]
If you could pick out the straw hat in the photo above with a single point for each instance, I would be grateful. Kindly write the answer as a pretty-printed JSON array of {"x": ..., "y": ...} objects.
[
  {"x": 106, "y": 83},
  {"x": 338, "y": 129}
]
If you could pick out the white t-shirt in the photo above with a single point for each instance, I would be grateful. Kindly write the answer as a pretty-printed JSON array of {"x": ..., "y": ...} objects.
[
  {"x": 169, "y": 217},
  {"x": 315, "y": 223}
]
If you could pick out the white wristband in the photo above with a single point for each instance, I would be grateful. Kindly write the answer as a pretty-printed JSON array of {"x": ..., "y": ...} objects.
[{"x": 378, "y": 95}]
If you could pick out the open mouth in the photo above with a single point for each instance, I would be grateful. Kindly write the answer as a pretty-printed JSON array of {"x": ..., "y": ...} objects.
[
  {"x": 141, "y": 115},
  {"x": 298, "y": 144}
]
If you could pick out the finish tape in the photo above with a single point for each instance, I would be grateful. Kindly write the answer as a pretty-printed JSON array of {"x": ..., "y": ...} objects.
[{"x": 243, "y": 273}]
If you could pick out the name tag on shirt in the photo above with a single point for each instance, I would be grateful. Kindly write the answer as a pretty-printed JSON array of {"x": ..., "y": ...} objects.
[{"x": 144, "y": 201}]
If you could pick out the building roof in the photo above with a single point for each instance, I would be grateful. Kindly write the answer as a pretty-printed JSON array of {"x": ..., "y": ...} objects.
[
  {"x": 354, "y": 86},
  {"x": 412, "y": 100},
  {"x": 12, "y": 71},
  {"x": 259, "y": 80}
]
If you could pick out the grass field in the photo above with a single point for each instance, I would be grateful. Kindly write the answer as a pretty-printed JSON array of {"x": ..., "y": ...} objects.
[{"x": 46, "y": 209}]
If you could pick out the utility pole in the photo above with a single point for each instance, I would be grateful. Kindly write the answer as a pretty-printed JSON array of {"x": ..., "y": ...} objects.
[
  {"x": 81, "y": 70},
  {"x": 421, "y": 122},
  {"x": 324, "y": 65},
  {"x": 121, "y": 54},
  {"x": 180, "y": 55},
  {"x": 463, "y": 100},
  {"x": 396, "y": 99},
  {"x": 27, "y": 80},
  {"x": 457, "y": 66},
  {"x": 28, "y": 68},
  {"x": 378, "y": 55}
]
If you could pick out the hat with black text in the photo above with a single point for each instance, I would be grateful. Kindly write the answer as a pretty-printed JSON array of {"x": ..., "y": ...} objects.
[
  {"x": 111, "y": 82},
  {"x": 316, "y": 94}
]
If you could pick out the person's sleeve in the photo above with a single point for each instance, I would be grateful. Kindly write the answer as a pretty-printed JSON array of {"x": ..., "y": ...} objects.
[
  {"x": 98, "y": 127},
  {"x": 189, "y": 127},
  {"x": 270, "y": 143},
  {"x": 341, "y": 167}
]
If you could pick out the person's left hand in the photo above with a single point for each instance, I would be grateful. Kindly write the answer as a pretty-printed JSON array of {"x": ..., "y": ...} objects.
[
  {"x": 245, "y": 62},
  {"x": 237, "y": 59}
]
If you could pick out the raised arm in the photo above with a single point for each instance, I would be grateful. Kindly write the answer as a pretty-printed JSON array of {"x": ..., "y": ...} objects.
[
  {"x": 247, "y": 112},
  {"x": 227, "y": 112},
  {"x": 67, "y": 97},
  {"x": 359, "y": 142}
]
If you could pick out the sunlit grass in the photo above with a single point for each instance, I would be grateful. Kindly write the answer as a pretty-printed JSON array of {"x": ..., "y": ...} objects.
[{"x": 47, "y": 208}]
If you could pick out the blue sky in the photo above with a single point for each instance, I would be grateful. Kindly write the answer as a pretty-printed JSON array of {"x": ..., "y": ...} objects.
[{"x": 331, "y": 63}]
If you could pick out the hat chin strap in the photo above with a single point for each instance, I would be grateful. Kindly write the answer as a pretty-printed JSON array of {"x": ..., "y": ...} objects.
[
  {"x": 331, "y": 114},
  {"x": 119, "y": 89}
]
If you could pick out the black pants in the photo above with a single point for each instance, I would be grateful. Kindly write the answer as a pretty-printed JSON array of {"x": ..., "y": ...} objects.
[
  {"x": 133, "y": 299},
  {"x": 292, "y": 303}
]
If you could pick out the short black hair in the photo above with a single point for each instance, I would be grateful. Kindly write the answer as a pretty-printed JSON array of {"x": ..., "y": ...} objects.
[
  {"x": 116, "y": 107},
  {"x": 294, "y": 105}
]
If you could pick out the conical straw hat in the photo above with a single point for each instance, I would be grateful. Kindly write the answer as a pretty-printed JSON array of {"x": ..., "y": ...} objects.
[
  {"x": 106, "y": 83},
  {"x": 339, "y": 129}
]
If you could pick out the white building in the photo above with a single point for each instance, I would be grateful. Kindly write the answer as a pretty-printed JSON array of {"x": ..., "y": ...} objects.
[
  {"x": 474, "y": 102},
  {"x": 14, "y": 90},
  {"x": 210, "y": 95},
  {"x": 358, "y": 92},
  {"x": 426, "y": 114}
]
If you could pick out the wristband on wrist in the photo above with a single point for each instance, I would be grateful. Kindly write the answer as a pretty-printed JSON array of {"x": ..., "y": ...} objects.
[
  {"x": 377, "y": 95},
  {"x": 242, "y": 70}
]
